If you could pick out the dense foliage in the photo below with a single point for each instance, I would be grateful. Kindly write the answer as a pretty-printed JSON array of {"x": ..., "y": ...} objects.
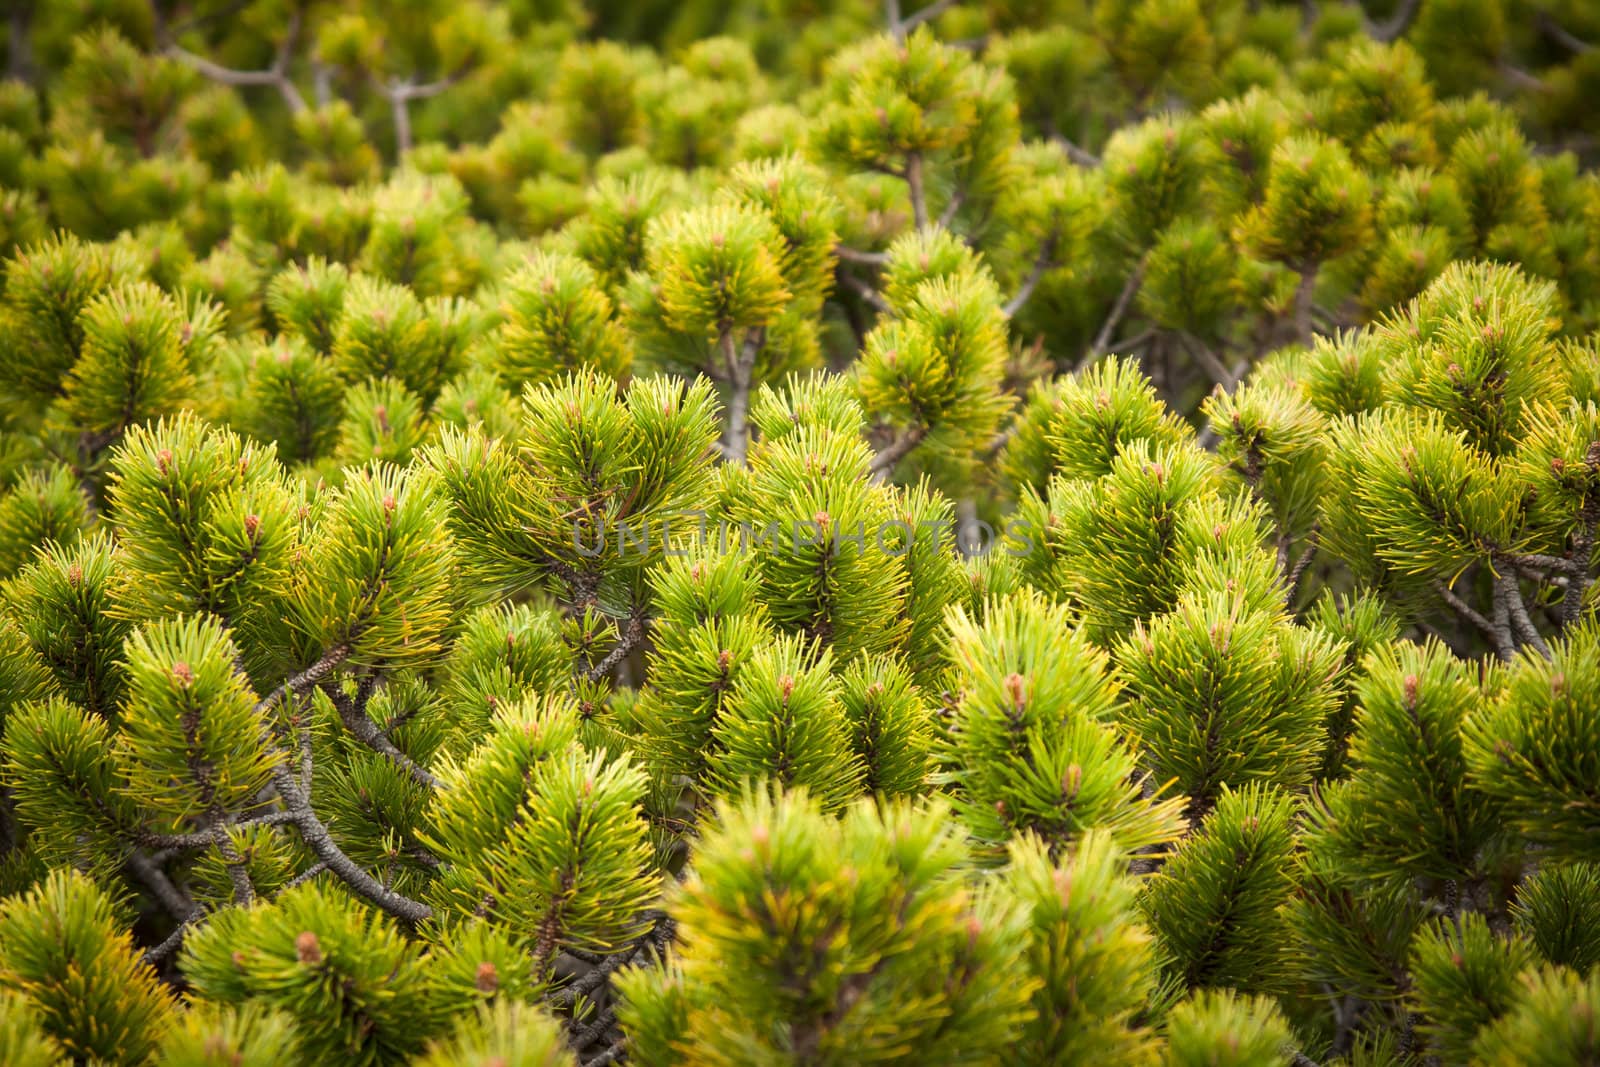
[{"x": 813, "y": 533}]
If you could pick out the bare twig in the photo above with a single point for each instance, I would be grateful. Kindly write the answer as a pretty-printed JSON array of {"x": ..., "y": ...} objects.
[
  {"x": 1561, "y": 35},
  {"x": 306, "y": 875},
  {"x": 1108, "y": 330},
  {"x": 353, "y": 714},
  {"x": 914, "y": 186},
  {"x": 1499, "y": 636},
  {"x": 205, "y": 838},
  {"x": 1043, "y": 262},
  {"x": 400, "y": 92},
  {"x": 1506, "y": 586},
  {"x": 275, "y": 76},
  {"x": 1300, "y": 565},
  {"x": 1304, "y": 327},
  {"x": 1583, "y": 547},
  {"x": 1392, "y": 27},
  {"x": 864, "y": 291},
  {"x": 740, "y": 362},
  {"x": 243, "y": 891},
  {"x": 658, "y": 937},
  {"x": 1523, "y": 79},
  {"x": 629, "y": 639},
  {"x": 173, "y": 941},
  {"x": 855, "y": 255},
  {"x": 177, "y": 903},
  {"x": 884, "y": 462},
  {"x": 916, "y": 18},
  {"x": 611, "y": 1055},
  {"x": 306, "y": 680},
  {"x": 1079, "y": 155},
  {"x": 320, "y": 841}
]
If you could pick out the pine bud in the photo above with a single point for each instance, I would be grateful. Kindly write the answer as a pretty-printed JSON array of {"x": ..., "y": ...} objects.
[
  {"x": 1063, "y": 880},
  {"x": 1016, "y": 687},
  {"x": 182, "y": 674},
  {"x": 307, "y": 948},
  {"x": 488, "y": 979}
]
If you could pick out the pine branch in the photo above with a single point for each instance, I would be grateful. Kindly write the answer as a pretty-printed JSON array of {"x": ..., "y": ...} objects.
[
  {"x": 948, "y": 215},
  {"x": 914, "y": 186},
  {"x": 352, "y": 713},
  {"x": 884, "y": 462},
  {"x": 306, "y": 875},
  {"x": 657, "y": 937},
  {"x": 243, "y": 891},
  {"x": 1506, "y": 587},
  {"x": 205, "y": 838},
  {"x": 866, "y": 292},
  {"x": 276, "y": 76},
  {"x": 1499, "y": 636},
  {"x": 1304, "y": 326},
  {"x": 740, "y": 363},
  {"x": 1561, "y": 35},
  {"x": 902, "y": 26},
  {"x": 1077, "y": 154},
  {"x": 399, "y": 93},
  {"x": 583, "y": 1038},
  {"x": 1583, "y": 547},
  {"x": 1043, "y": 262},
  {"x": 1102, "y": 340},
  {"x": 173, "y": 941},
  {"x": 614, "y": 1054},
  {"x": 855, "y": 255},
  {"x": 147, "y": 871},
  {"x": 307, "y": 680},
  {"x": 629, "y": 639},
  {"x": 1392, "y": 27},
  {"x": 1301, "y": 564},
  {"x": 316, "y": 836}
]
